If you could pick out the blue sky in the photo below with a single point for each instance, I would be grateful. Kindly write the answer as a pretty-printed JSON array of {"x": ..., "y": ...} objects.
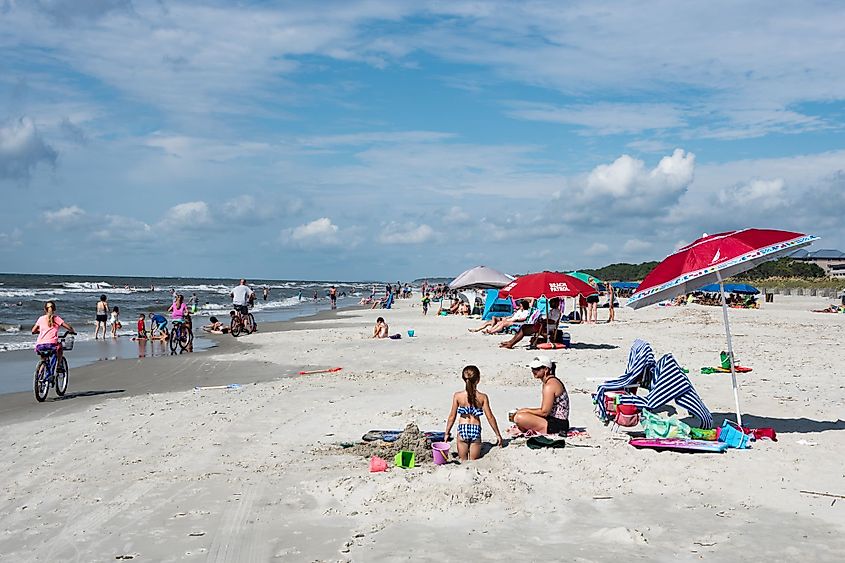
[{"x": 393, "y": 140}]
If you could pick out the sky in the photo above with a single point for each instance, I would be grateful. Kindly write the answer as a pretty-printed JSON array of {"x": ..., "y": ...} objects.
[{"x": 388, "y": 140}]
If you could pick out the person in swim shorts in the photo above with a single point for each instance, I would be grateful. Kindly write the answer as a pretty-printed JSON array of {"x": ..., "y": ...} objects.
[
  {"x": 468, "y": 406},
  {"x": 158, "y": 323},
  {"x": 102, "y": 316}
]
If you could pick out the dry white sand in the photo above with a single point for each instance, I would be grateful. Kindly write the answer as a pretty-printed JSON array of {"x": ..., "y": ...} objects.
[{"x": 247, "y": 474}]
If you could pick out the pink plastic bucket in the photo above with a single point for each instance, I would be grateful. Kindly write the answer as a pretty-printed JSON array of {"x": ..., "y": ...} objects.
[{"x": 440, "y": 452}]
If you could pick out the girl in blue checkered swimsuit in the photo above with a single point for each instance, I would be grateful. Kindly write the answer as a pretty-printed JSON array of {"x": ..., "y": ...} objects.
[{"x": 469, "y": 405}]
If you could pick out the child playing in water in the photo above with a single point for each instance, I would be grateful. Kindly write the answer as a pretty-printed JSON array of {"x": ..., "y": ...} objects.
[
  {"x": 115, "y": 321},
  {"x": 141, "y": 328},
  {"x": 469, "y": 405}
]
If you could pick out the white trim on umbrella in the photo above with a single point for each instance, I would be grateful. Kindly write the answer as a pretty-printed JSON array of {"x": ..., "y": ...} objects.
[{"x": 708, "y": 275}]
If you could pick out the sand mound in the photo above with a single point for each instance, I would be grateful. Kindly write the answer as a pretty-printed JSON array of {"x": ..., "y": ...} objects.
[{"x": 410, "y": 440}]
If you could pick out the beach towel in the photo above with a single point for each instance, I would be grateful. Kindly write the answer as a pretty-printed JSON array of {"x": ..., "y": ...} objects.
[
  {"x": 640, "y": 359},
  {"x": 670, "y": 383}
]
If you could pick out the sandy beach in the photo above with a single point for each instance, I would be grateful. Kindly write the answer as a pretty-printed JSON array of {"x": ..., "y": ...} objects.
[{"x": 163, "y": 472}]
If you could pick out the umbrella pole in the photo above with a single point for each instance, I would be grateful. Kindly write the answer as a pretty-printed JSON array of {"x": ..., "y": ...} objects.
[{"x": 730, "y": 346}]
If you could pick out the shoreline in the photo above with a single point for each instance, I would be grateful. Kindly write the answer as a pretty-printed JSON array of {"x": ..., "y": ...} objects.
[{"x": 127, "y": 377}]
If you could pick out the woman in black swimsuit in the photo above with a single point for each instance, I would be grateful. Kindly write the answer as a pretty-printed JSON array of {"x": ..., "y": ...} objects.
[{"x": 102, "y": 316}]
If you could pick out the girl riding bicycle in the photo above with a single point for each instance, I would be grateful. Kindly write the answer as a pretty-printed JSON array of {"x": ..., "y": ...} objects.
[{"x": 47, "y": 329}]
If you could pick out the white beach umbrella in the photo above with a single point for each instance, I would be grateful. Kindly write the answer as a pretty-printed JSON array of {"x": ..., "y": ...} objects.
[{"x": 481, "y": 277}]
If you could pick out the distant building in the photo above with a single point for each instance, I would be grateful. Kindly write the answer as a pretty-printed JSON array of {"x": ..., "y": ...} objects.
[{"x": 831, "y": 261}]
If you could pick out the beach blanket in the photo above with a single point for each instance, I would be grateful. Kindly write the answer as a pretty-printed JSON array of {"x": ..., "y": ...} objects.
[
  {"x": 574, "y": 432},
  {"x": 393, "y": 435}
]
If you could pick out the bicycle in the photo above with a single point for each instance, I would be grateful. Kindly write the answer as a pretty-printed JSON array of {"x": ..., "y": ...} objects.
[
  {"x": 181, "y": 336},
  {"x": 46, "y": 374},
  {"x": 242, "y": 322}
]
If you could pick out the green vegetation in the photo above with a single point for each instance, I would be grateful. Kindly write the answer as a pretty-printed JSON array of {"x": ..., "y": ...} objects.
[
  {"x": 623, "y": 271},
  {"x": 783, "y": 268},
  {"x": 783, "y": 273}
]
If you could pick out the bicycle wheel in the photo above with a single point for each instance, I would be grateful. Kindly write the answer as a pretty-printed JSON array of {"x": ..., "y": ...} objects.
[
  {"x": 185, "y": 338},
  {"x": 249, "y": 324},
  {"x": 62, "y": 378},
  {"x": 42, "y": 383},
  {"x": 235, "y": 327},
  {"x": 173, "y": 341}
]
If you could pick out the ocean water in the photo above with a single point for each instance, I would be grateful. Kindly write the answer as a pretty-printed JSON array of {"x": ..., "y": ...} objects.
[{"x": 22, "y": 298}]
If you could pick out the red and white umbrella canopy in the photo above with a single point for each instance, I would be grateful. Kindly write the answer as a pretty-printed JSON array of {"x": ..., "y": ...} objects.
[
  {"x": 712, "y": 257},
  {"x": 550, "y": 284}
]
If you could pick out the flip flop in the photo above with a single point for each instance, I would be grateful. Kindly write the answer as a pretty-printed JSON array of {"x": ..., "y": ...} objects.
[{"x": 537, "y": 442}]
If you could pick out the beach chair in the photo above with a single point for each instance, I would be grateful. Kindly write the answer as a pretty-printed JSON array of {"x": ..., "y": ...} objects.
[{"x": 670, "y": 383}]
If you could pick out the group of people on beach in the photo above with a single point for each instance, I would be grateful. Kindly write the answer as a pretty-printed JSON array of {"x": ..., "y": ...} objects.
[{"x": 470, "y": 404}]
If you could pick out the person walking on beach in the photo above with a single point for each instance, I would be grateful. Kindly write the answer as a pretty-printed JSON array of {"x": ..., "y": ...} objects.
[
  {"x": 611, "y": 294},
  {"x": 426, "y": 301},
  {"x": 102, "y": 316},
  {"x": 333, "y": 296},
  {"x": 469, "y": 405},
  {"x": 47, "y": 329}
]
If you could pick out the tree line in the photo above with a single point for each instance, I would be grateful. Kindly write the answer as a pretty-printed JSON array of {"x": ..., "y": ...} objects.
[{"x": 781, "y": 268}]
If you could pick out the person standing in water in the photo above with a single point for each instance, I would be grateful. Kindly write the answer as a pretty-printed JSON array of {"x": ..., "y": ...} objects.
[
  {"x": 102, "y": 316},
  {"x": 333, "y": 296},
  {"x": 266, "y": 292}
]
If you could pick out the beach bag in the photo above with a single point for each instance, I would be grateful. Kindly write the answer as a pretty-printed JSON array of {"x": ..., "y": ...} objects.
[
  {"x": 658, "y": 427},
  {"x": 626, "y": 415}
]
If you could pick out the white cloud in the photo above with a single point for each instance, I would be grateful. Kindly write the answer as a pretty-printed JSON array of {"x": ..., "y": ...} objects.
[
  {"x": 405, "y": 233},
  {"x": 634, "y": 246},
  {"x": 11, "y": 239},
  {"x": 603, "y": 118},
  {"x": 597, "y": 249},
  {"x": 66, "y": 216},
  {"x": 318, "y": 233},
  {"x": 192, "y": 214},
  {"x": 626, "y": 188},
  {"x": 760, "y": 194},
  {"x": 456, "y": 216},
  {"x": 247, "y": 209},
  {"x": 22, "y": 149},
  {"x": 375, "y": 137}
]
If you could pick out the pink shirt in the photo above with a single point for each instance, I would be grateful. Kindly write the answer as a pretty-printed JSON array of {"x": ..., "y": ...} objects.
[
  {"x": 48, "y": 334},
  {"x": 178, "y": 312}
]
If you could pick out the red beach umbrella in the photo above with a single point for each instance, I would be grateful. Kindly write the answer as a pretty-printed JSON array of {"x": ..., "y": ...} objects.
[
  {"x": 550, "y": 284},
  {"x": 710, "y": 259}
]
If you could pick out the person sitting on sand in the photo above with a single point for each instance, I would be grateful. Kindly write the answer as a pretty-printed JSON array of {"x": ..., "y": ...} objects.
[
  {"x": 540, "y": 328},
  {"x": 552, "y": 416},
  {"x": 498, "y": 324},
  {"x": 380, "y": 330},
  {"x": 469, "y": 405},
  {"x": 463, "y": 308},
  {"x": 215, "y": 326}
]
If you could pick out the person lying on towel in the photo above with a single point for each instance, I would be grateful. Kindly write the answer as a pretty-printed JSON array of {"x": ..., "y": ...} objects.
[{"x": 664, "y": 379}]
